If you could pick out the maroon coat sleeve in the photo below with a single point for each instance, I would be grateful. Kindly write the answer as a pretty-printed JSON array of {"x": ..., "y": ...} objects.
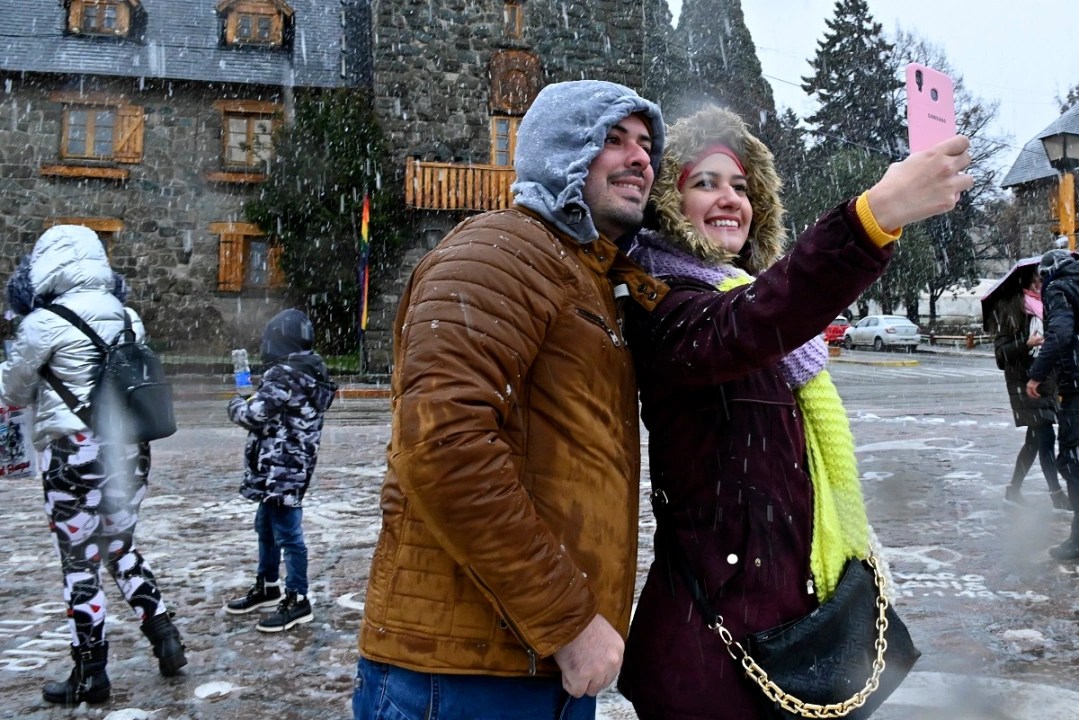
[{"x": 699, "y": 336}]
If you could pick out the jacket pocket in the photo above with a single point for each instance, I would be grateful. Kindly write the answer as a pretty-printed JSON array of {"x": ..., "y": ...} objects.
[{"x": 597, "y": 319}]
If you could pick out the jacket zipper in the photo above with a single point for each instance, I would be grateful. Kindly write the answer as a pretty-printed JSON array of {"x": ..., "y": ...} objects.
[
  {"x": 502, "y": 615},
  {"x": 597, "y": 320}
]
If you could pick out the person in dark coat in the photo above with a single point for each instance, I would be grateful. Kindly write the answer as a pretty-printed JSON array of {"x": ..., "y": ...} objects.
[
  {"x": 1019, "y": 337},
  {"x": 1060, "y": 354},
  {"x": 751, "y": 457}
]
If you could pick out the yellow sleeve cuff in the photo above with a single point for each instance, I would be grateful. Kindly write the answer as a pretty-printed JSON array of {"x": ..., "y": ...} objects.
[{"x": 879, "y": 236}]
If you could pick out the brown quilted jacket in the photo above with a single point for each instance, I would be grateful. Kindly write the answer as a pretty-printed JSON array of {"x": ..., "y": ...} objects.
[{"x": 510, "y": 500}]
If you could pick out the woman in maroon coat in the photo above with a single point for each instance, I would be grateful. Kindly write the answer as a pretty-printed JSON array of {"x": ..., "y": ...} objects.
[{"x": 726, "y": 364}]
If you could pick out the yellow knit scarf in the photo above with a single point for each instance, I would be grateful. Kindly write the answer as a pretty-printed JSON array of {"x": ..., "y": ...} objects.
[{"x": 840, "y": 526}]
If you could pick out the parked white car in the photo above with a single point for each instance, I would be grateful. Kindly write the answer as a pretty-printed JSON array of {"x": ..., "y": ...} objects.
[{"x": 883, "y": 331}]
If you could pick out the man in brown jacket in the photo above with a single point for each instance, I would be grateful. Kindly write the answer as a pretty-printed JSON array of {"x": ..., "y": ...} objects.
[{"x": 503, "y": 578}]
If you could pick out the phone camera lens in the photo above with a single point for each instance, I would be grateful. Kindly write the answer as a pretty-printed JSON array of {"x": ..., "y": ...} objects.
[{"x": 933, "y": 95}]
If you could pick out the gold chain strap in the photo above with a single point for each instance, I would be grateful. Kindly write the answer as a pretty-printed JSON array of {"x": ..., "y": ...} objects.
[{"x": 792, "y": 704}]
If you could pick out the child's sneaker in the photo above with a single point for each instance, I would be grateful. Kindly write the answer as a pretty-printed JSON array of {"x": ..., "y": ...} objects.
[
  {"x": 293, "y": 610},
  {"x": 261, "y": 594}
]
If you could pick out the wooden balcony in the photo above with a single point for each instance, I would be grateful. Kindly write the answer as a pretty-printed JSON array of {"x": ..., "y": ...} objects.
[{"x": 445, "y": 186}]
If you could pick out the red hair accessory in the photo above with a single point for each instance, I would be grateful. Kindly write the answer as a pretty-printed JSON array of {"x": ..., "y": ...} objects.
[{"x": 718, "y": 148}]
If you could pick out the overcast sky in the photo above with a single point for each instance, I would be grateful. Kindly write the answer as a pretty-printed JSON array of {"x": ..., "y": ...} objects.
[{"x": 1015, "y": 53}]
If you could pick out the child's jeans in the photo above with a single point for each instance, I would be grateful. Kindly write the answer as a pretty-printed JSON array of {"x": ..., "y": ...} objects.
[{"x": 280, "y": 529}]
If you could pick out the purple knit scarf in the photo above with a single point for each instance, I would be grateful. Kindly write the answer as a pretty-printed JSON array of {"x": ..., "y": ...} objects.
[{"x": 661, "y": 259}]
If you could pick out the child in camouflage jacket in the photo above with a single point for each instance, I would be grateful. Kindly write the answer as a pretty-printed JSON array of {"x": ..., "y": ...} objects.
[{"x": 284, "y": 419}]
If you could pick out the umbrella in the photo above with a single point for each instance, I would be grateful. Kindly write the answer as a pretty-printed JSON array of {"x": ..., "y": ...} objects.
[{"x": 1006, "y": 287}]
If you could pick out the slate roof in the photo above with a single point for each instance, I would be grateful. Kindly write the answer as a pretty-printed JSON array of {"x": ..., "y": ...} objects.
[
  {"x": 1032, "y": 163},
  {"x": 181, "y": 42}
]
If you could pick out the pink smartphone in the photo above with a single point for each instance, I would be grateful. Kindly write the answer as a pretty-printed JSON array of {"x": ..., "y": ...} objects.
[{"x": 930, "y": 107}]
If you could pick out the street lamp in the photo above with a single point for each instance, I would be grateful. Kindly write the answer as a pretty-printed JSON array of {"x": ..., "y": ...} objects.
[{"x": 1062, "y": 149}]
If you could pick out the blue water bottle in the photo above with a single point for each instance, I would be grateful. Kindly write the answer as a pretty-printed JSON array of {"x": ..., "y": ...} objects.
[{"x": 241, "y": 371}]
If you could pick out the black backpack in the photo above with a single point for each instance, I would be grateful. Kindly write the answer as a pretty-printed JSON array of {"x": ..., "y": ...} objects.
[{"x": 130, "y": 400}]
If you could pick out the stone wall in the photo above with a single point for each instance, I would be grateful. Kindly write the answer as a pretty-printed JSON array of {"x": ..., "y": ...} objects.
[
  {"x": 429, "y": 67},
  {"x": 431, "y": 63},
  {"x": 431, "y": 89},
  {"x": 165, "y": 249}
]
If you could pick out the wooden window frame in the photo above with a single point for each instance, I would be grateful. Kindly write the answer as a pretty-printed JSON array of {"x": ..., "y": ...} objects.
[
  {"x": 108, "y": 229},
  {"x": 128, "y": 128},
  {"x": 236, "y": 12},
  {"x": 234, "y": 249},
  {"x": 92, "y": 131},
  {"x": 78, "y": 10},
  {"x": 512, "y": 123},
  {"x": 513, "y": 19},
  {"x": 251, "y": 111}
]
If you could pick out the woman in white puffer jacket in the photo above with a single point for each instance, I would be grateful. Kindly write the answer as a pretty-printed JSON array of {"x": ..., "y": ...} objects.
[{"x": 93, "y": 488}]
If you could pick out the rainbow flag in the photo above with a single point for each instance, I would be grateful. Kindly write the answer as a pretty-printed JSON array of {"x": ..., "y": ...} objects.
[{"x": 365, "y": 270}]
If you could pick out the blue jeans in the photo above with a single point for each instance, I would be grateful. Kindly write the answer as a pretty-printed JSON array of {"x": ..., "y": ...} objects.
[
  {"x": 387, "y": 692},
  {"x": 280, "y": 529}
]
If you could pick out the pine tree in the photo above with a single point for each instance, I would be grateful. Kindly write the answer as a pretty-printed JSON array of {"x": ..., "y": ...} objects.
[
  {"x": 325, "y": 159},
  {"x": 665, "y": 64},
  {"x": 786, "y": 139},
  {"x": 723, "y": 64},
  {"x": 1070, "y": 100},
  {"x": 855, "y": 82}
]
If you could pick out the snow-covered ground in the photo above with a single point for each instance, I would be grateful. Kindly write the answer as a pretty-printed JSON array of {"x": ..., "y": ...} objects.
[{"x": 195, "y": 530}]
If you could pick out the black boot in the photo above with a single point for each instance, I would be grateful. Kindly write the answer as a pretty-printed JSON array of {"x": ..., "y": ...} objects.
[
  {"x": 87, "y": 682},
  {"x": 261, "y": 594},
  {"x": 165, "y": 638},
  {"x": 292, "y": 610}
]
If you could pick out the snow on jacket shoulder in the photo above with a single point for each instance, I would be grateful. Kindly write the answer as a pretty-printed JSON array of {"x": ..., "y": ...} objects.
[
  {"x": 510, "y": 500},
  {"x": 67, "y": 266}
]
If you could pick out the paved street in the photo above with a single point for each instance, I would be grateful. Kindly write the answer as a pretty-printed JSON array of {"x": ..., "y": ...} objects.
[{"x": 994, "y": 618}]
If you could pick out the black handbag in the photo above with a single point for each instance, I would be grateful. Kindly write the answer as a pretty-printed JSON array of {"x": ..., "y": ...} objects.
[{"x": 842, "y": 660}]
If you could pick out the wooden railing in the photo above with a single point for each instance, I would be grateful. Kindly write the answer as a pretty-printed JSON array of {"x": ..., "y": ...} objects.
[
  {"x": 445, "y": 186},
  {"x": 969, "y": 341}
]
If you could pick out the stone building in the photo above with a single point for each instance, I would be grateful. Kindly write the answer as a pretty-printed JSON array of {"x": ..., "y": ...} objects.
[
  {"x": 150, "y": 122},
  {"x": 451, "y": 80}
]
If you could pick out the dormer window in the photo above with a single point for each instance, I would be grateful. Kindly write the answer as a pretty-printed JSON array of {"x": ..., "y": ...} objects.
[
  {"x": 110, "y": 18},
  {"x": 258, "y": 23}
]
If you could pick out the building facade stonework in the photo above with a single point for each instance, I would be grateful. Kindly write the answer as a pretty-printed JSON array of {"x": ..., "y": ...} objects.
[
  {"x": 447, "y": 75},
  {"x": 163, "y": 212},
  {"x": 149, "y": 121}
]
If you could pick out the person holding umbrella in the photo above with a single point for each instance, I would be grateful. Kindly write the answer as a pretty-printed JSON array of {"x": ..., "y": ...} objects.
[{"x": 1013, "y": 308}]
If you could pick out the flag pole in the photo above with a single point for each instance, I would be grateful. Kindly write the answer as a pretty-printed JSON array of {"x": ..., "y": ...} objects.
[{"x": 364, "y": 279}]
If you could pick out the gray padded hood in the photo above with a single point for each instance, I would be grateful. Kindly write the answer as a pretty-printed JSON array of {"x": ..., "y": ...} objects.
[{"x": 560, "y": 136}]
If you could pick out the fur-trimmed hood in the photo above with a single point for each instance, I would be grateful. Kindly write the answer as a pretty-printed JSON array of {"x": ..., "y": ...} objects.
[{"x": 685, "y": 140}]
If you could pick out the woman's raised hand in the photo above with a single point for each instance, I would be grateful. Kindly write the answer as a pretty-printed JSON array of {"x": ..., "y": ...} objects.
[{"x": 927, "y": 183}]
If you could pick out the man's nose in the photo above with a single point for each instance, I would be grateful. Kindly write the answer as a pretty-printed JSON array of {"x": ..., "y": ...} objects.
[{"x": 638, "y": 156}]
